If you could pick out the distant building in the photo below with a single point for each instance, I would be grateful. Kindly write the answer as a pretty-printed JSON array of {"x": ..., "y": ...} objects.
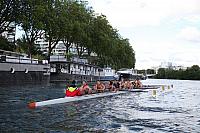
[
  {"x": 43, "y": 45},
  {"x": 155, "y": 69},
  {"x": 169, "y": 65},
  {"x": 107, "y": 74},
  {"x": 130, "y": 74},
  {"x": 60, "y": 49},
  {"x": 166, "y": 65},
  {"x": 179, "y": 67}
]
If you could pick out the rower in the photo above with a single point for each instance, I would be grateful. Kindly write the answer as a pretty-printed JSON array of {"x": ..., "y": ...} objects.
[
  {"x": 137, "y": 83},
  {"x": 85, "y": 89},
  {"x": 117, "y": 86},
  {"x": 99, "y": 87},
  {"x": 72, "y": 90},
  {"x": 111, "y": 87},
  {"x": 128, "y": 85}
]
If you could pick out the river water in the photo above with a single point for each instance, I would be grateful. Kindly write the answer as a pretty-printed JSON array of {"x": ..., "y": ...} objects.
[{"x": 171, "y": 110}]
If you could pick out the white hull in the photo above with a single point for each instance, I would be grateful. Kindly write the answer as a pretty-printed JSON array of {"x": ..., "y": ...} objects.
[{"x": 72, "y": 99}]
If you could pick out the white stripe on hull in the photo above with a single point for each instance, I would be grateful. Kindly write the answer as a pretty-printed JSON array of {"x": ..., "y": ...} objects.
[{"x": 72, "y": 99}]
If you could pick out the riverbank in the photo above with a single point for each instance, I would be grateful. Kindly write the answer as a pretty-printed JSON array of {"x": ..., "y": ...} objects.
[{"x": 191, "y": 73}]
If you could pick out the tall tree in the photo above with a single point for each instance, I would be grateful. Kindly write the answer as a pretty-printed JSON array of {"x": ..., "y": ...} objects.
[
  {"x": 8, "y": 14},
  {"x": 71, "y": 19},
  {"x": 53, "y": 23},
  {"x": 5, "y": 45},
  {"x": 22, "y": 47},
  {"x": 32, "y": 14}
]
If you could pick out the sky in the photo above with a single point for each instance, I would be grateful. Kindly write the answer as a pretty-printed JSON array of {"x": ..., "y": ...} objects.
[{"x": 158, "y": 30}]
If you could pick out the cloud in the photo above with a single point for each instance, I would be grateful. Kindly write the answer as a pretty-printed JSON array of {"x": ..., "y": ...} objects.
[
  {"x": 126, "y": 13},
  {"x": 194, "y": 18},
  {"x": 149, "y": 54},
  {"x": 152, "y": 26},
  {"x": 190, "y": 34}
]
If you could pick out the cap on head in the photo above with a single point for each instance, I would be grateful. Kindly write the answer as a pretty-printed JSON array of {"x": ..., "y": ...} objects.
[{"x": 73, "y": 84}]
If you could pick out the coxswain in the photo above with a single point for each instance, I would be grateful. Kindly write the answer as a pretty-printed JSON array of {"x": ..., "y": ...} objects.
[{"x": 72, "y": 90}]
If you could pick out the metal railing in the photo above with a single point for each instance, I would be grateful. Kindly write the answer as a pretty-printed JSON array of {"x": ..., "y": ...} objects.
[{"x": 20, "y": 60}]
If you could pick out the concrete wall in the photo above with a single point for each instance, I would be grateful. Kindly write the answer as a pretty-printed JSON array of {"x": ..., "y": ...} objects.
[
  {"x": 11, "y": 73},
  {"x": 7, "y": 78}
]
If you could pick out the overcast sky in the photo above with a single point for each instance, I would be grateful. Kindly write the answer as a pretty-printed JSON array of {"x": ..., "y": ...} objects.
[{"x": 158, "y": 30}]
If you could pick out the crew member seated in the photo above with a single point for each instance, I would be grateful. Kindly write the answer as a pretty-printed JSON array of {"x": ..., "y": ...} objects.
[
  {"x": 72, "y": 90},
  {"x": 117, "y": 85},
  {"x": 111, "y": 87},
  {"x": 85, "y": 89},
  {"x": 99, "y": 87},
  {"x": 137, "y": 83}
]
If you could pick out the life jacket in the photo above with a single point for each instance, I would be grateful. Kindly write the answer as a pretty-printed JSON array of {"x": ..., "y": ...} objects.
[{"x": 72, "y": 91}]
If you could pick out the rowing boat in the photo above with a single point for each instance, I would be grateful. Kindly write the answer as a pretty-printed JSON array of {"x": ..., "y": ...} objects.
[
  {"x": 33, "y": 105},
  {"x": 91, "y": 96}
]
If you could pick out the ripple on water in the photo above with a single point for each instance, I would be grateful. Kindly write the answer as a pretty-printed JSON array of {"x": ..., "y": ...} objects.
[{"x": 175, "y": 111}]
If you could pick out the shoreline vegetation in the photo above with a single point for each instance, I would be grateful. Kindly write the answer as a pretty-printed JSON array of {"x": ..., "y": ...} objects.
[
  {"x": 191, "y": 73},
  {"x": 73, "y": 22}
]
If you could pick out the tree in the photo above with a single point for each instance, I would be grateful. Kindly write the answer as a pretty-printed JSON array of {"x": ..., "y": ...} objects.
[
  {"x": 76, "y": 19},
  {"x": 5, "y": 45},
  {"x": 8, "y": 14},
  {"x": 22, "y": 47},
  {"x": 32, "y": 14},
  {"x": 150, "y": 71},
  {"x": 53, "y": 23},
  {"x": 73, "y": 22},
  {"x": 81, "y": 28},
  {"x": 195, "y": 68},
  {"x": 161, "y": 73},
  {"x": 191, "y": 73}
]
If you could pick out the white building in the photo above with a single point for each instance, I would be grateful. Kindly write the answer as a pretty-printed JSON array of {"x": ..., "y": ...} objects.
[
  {"x": 60, "y": 48},
  {"x": 179, "y": 67},
  {"x": 169, "y": 65},
  {"x": 108, "y": 71},
  {"x": 166, "y": 65},
  {"x": 10, "y": 34},
  {"x": 43, "y": 45},
  {"x": 128, "y": 71}
]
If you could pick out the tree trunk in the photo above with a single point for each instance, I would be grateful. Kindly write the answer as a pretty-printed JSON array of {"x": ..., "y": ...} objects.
[{"x": 49, "y": 51}]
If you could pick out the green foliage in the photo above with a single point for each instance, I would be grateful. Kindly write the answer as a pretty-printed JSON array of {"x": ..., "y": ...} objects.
[
  {"x": 110, "y": 47},
  {"x": 150, "y": 71},
  {"x": 5, "y": 45},
  {"x": 22, "y": 47},
  {"x": 53, "y": 23},
  {"x": 73, "y": 22},
  {"x": 68, "y": 55},
  {"x": 8, "y": 13},
  {"x": 161, "y": 73},
  {"x": 191, "y": 73},
  {"x": 30, "y": 19}
]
